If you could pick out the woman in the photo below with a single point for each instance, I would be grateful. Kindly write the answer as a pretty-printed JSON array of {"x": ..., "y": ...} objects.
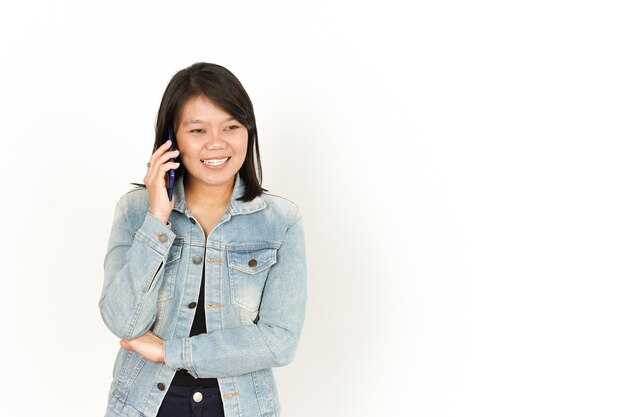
[{"x": 206, "y": 291}]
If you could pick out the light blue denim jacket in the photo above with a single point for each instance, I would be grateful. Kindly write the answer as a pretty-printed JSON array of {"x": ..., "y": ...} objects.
[{"x": 255, "y": 295}]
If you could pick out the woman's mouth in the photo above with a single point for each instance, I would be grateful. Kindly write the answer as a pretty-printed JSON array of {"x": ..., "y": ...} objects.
[{"x": 215, "y": 162}]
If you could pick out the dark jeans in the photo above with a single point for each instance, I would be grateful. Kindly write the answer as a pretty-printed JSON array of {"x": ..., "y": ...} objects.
[{"x": 191, "y": 402}]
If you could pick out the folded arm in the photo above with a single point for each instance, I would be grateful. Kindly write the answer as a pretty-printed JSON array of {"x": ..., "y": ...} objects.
[
  {"x": 133, "y": 270},
  {"x": 272, "y": 340}
]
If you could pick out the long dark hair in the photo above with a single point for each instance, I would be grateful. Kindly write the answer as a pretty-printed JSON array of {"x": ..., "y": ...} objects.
[{"x": 222, "y": 88}]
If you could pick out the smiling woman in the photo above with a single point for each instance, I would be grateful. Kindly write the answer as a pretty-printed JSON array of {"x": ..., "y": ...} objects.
[
  {"x": 212, "y": 146},
  {"x": 205, "y": 290}
]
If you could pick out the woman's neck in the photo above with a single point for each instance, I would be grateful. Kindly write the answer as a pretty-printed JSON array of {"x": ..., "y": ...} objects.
[{"x": 207, "y": 197}]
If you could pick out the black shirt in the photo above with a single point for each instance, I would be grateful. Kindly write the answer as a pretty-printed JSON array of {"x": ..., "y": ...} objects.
[{"x": 182, "y": 377}]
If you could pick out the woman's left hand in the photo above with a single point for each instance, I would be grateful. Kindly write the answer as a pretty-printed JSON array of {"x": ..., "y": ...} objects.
[{"x": 148, "y": 345}]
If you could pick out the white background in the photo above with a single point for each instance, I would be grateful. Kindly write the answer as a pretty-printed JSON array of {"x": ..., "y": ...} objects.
[{"x": 460, "y": 167}]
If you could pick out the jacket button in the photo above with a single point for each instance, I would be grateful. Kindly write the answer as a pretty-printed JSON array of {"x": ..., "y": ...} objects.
[
  {"x": 252, "y": 263},
  {"x": 192, "y": 305},
  {"x": 197, "y": 396},
  {"x": 192, "y": 220},
  {"x": 162, "y": 237},
  {"x": 161, "y": 386},
  {"x": 197, "y": 259}
]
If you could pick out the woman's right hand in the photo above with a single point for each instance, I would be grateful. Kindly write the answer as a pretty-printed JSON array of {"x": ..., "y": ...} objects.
[{"x": 160, "y": 204}]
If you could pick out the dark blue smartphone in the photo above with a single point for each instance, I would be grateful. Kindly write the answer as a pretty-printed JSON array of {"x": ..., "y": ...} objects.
[{"x": 169, "y": 181}]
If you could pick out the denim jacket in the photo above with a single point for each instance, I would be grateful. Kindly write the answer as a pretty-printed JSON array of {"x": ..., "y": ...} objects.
[{"x": 255, "y": 295}]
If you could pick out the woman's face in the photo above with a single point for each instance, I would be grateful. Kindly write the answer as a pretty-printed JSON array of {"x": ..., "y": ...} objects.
[{"x": 211, "y": 142}]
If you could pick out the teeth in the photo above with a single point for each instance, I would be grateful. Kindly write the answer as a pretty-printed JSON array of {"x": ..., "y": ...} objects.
[{"x": 214, "y": 161}]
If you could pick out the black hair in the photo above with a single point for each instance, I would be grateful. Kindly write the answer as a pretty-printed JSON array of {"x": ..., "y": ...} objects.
[{"x": 223, "y": 89}]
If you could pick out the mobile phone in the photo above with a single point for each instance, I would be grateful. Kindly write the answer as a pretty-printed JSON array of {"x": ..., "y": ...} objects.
[{"x": 169, "y": 182}]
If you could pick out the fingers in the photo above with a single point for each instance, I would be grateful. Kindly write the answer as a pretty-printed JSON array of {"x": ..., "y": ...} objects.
[
  {"x": 148, "y": 345},
  {"x": 125, "y": 345},
  {"x": 166, "y": 156},
  {"x": 160, "y": 151},
  {"x": 165, "y": 145},
  {"x": 169, "y": 165},
  {"x": 160, "y": 162},
  {"x": 156, "y": 182},
  {"x": 166, "y": 167}
]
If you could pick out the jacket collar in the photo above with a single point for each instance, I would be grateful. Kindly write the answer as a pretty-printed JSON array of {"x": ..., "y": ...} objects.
[{"x": 234, "y": 206}]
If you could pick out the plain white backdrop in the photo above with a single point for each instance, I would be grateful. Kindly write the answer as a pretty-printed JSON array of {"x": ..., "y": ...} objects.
[{"x": 460, "y": 167}]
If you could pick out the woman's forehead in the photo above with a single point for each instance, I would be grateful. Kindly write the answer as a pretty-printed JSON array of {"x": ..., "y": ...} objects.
[{"x": 200, "y": 109}]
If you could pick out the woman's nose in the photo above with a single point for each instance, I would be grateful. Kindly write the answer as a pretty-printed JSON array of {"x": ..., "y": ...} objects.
[{"x": 215, "y": 141}]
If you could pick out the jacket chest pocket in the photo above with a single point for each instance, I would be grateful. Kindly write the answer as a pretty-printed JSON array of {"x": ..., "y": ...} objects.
[
  {"x": 170, "y": 270},
  {"x": 247, "y": 272}
]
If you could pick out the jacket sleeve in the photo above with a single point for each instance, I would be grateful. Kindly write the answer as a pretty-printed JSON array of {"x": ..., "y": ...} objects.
[
  {"x": 272, "y": 340},
  {"x": 133, "y": 273}
]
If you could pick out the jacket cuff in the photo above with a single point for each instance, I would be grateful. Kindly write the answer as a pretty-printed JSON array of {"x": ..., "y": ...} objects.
[
  {"x": 156, "y": 234},
  {"x": 178, "y": 355}
]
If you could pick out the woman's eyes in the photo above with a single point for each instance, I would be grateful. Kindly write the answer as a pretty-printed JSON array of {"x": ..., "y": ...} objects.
[{"x": 231, "y": 127}]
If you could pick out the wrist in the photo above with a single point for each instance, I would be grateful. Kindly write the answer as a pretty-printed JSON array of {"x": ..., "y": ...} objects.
[{"x": 165, "y": 221}]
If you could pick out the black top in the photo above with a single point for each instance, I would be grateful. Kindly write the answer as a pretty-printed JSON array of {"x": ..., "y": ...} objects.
[{"x": 182, "y": 377}]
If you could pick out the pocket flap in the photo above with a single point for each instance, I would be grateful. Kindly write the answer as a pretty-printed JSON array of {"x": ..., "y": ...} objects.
[{"x": 251, "y": 261}]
